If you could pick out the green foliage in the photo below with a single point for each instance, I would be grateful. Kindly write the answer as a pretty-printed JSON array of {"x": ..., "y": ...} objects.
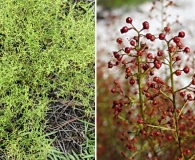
[
  {"x": 117, "y": 4},
  {"x": 44, "y": 46},
  {"x": 88, "y": 146}
]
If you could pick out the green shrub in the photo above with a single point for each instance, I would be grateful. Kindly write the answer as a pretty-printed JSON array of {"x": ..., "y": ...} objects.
[
  {"x": 117, "y": 4},
  {"x": 45, "y": 46}
]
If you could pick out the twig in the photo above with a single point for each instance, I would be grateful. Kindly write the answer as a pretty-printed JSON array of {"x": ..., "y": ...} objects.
[
  {"x": 70, "y": 103},
  {"x": 65, "y": 123}
]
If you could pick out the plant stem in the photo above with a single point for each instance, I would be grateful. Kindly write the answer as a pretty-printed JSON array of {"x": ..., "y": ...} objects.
[
  {"x": 174, "y": 105},
  {"x": 139, "y": 80}
]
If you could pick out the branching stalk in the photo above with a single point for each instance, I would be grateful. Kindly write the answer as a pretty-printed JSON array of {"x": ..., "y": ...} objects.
[
  {"x": 178, "y": 138},
  {"x": 139, "y": 80}
]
